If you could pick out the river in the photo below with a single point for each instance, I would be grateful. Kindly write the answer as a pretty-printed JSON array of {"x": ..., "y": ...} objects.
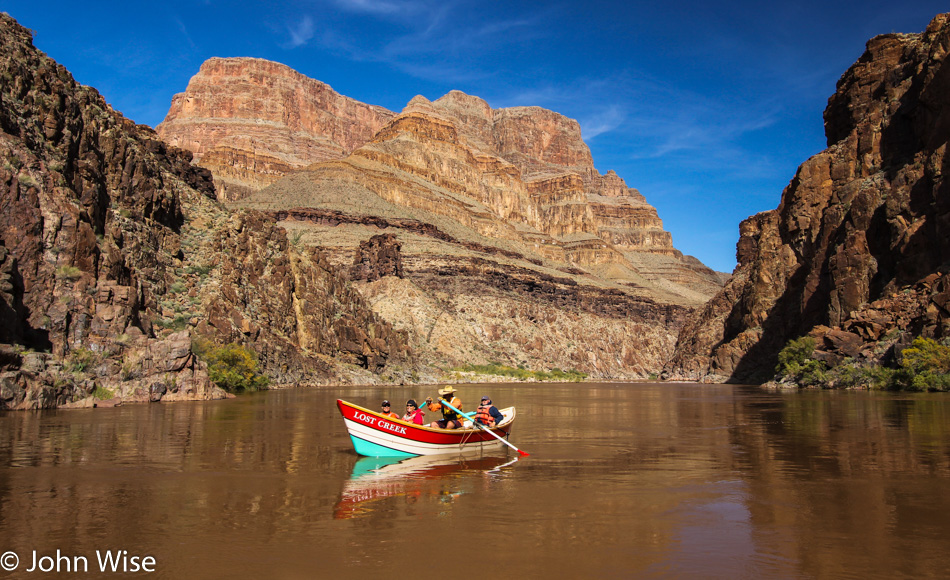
[{"x": 636, "y": 480}]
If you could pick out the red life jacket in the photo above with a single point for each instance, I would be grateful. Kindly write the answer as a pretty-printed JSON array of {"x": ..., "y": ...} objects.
[{"x": 483, "y": 416}]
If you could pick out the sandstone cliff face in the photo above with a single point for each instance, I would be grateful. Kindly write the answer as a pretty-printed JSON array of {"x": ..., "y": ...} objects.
[
  {"x": 502, "y": 203},
  {"x": 522, "y": 174},
  {"x": 525, "y": 176},
  {"x": 251, "y": 121},
  {"x": 113, "y": 253},
  {"x": 550, "y": 264},
  {"x": 857, "y": 251}
]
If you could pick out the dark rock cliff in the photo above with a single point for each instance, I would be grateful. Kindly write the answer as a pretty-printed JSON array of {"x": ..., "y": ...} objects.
[
  {"x": 113, "y": 254},
  {"x": 858, "y": 251}
]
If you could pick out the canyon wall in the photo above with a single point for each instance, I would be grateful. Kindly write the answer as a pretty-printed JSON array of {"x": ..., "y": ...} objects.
[
  {"x": 251, "y": 121},
  {"x": 521, "y": 173},
  {"x": 511, "y": 247},
  {"x": 115, "y": 255},
  {"x": 857, "y": 252}
]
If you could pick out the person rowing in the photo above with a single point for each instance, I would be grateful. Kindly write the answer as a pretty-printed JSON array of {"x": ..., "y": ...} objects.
[{"x": 450, "y": 419}]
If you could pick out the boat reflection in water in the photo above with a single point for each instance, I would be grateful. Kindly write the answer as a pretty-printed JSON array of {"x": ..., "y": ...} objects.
[{"x": 442, "y": 478}]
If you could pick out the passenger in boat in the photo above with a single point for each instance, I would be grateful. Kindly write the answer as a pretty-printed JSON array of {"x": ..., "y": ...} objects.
[
  {"x": 450, "y": 419},
  {"x": 387, "y": 410},
  {"x": 413, "y": 413},
  {"x": 488, "y": 414}
]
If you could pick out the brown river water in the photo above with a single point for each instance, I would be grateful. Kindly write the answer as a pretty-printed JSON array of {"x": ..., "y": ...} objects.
[{"x": 623, "y": 481}]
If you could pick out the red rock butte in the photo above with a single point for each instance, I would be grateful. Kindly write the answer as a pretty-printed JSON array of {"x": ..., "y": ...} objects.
[{"x": 252, "y": 120}]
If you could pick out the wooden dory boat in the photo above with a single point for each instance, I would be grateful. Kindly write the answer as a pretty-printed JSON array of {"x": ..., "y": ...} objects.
[{"x": 376, "y": 435}]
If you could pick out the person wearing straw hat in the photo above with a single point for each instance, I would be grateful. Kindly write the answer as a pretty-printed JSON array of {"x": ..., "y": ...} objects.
[{"x": 450, "y": 419}]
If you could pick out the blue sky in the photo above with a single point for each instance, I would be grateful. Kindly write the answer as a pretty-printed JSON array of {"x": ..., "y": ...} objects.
[{"x": 706, "y": 108}]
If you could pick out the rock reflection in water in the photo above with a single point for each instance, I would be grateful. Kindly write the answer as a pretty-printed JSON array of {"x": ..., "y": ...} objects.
[{"x": 624, "y": 480}]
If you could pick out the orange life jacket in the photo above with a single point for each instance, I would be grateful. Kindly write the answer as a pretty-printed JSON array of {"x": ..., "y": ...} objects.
[{"x": 483, "y": 416}]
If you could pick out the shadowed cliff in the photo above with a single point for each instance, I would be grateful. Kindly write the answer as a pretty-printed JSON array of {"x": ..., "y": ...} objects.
[{"x": 857, "y": 252}]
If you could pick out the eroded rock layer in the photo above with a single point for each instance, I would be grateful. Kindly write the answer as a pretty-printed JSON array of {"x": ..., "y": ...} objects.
[
  {"x": 114, "y": 256},
  {"x": 521, "y": 173},
  {"x": 484, "y": 235},
  {"x": 857, "y": 252},
  {"x": 251, "y": 121}
]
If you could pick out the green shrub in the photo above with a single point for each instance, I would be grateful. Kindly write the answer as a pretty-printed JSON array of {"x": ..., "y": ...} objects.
[
  {"x": 926, "y": 355},
  {"x": 795, "y": 364},
  {"x": 201, "y": 271},
  {"x": 71, "y": 273},
  {"x": 925, "y": 366},
  {"x": 103, "y": 393},
  {"x": 930, "y": 381},
  {"x": 81, "y": 359},
  {"x": 850, "y": 376},
  {"x": 232, "y": 367},
  {"x": 796, "y": 354},
  {"x": 176, "y": 324},
  {"x": 523, "y": 374}
]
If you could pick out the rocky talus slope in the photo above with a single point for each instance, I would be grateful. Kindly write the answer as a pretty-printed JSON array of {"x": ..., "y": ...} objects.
[
  {"x": 115, "y": 254},
  {"x": 858, "y": 252}
]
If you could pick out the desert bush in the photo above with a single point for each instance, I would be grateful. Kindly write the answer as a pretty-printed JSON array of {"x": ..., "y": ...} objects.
[
  {"x": 523, "y": 374},
  {"x": 849, "y": 375},
  {"x": 103, "y": 393},
  {"x": 71, "y": 273},
  {"x": 232, "y": 367},
  {"x": 81, "y": 359},
  {"x": 795, "y": 364},
  {"x": 926, "y": 355}
]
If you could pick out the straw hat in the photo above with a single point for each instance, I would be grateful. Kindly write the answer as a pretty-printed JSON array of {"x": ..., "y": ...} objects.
[{"x": 447, "y": 390}]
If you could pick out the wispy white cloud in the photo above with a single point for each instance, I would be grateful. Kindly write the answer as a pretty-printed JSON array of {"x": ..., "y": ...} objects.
[
  {"x": 300, "y": 32},
  {"x": 184, "y": 31},
  {"x": 653, "y": 121},
  {"x": 437, "y": 40},
  {"x": 448, "y": 41},
  {"x": 602, "y": 121},
  {"x": 378, "y": 7}
]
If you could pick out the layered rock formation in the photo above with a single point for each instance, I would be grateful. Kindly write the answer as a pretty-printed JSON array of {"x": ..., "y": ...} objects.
[
  {"x": 857, "y": 252},
  {"x": 251, "y": 121},
  {"x": 527, "y": 170},
  {"x": 503, "y": 242},
  {"x": 114, "y": 255}
]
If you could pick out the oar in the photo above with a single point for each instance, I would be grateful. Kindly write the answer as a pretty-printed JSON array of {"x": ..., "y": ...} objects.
[{"x": 471, "y": 417}]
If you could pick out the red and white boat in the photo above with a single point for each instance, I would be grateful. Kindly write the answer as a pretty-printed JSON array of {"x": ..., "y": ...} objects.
[{"x": 376, "y": 435}]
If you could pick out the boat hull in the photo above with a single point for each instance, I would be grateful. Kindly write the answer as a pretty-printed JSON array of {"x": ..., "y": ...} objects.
[{"x": 375, "y": 435}]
